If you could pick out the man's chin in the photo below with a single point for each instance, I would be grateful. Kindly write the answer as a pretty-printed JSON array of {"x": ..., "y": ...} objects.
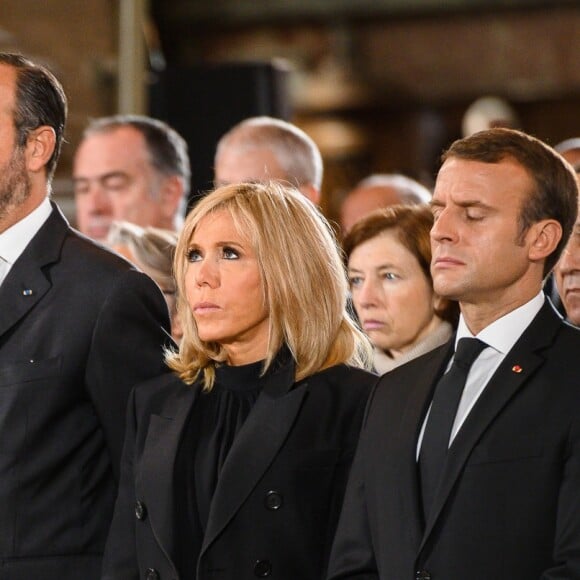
[
  {"x": 447, "y": 289},
  {"x": 98, "y": 233}
]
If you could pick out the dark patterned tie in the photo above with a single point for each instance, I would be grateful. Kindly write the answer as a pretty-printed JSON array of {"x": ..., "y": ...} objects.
[{"x": 446, "y": 399}]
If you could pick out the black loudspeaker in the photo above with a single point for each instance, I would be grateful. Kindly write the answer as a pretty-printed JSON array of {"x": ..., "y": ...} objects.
[{"x": 203, "y": 102}]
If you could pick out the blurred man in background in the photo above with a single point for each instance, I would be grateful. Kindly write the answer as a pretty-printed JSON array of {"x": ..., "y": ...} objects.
[
  {"x": 567, "y": 271},
  {"x": 264, "y": 148},
  {"x": 130, "y": 168},
  {"x": 378, "y": 191}
]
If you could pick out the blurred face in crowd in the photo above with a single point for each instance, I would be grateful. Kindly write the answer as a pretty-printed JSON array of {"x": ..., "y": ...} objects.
[
  {"x": 236, "y": 165},
  {"x": 392, "y": 296},
  {"x": 115, "y": 181},
  {"x": 567, "y": 273},
  {"x": 255, "y": 164},
  {"x": 225, "y": 291},
  {"x": 169, "y": 292},
  {"x": 362, "y": 201}
]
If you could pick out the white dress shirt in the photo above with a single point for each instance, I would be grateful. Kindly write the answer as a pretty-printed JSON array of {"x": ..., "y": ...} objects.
[
  {"x": 14, "y": 240},
  {"x": 500, "y": 336}
]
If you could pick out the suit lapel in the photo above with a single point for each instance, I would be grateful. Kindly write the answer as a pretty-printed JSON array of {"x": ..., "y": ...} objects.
[
  {"x": 155, "y": 477},
  {"x": 525, "y": 355},
  {"x": 255, "y": 447},
  {"x": 23, "y": 288},
  {"x": 26, "y": 283}
]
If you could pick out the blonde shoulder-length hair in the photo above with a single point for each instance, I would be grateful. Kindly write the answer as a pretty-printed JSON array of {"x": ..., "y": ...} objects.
[{"x": 303, "y": 279}]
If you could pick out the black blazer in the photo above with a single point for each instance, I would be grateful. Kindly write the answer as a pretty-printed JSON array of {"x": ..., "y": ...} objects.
[
  {"x": 509, "y": 504},
  {"x": 79, "y": 327},
  {"x": 277, "y": 501}
]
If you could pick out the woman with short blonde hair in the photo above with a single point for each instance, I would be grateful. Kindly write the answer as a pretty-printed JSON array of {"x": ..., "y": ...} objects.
[
  {"x": 240, "y": 456},
  {"x": 310, "y": 318}
]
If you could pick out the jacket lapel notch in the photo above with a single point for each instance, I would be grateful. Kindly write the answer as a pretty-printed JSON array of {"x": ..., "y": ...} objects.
[
  {"x": 155, "y": 477},
  {"x": 255, "y": 447},
  {"x": 26, "y": 283},
  {"x": 518, "y": 366},
  {"x": 500, "y": 389}
]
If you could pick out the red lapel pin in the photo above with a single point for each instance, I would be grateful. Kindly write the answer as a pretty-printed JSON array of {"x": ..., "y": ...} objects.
[{"x": 517, "y": 369}]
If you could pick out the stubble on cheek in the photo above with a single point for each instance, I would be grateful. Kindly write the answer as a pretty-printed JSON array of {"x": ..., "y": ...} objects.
[{"x": 15, "y": 186}]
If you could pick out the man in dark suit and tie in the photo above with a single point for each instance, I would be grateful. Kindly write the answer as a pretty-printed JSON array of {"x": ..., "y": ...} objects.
[
  {"x": 468, "y": 466},
  {"x": 78, "y": 328}
]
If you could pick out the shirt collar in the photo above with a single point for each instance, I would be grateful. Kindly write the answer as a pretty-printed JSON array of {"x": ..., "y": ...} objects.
[
  {"x": 504, "y": 332},
  {"x": 14, "y": 240}
]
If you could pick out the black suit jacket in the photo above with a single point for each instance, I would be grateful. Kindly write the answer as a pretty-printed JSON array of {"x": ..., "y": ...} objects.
[
  {"x": 277, "y": 501},
  {"x": 78, "y": 328},
  {"x": 509, "y": 504}
]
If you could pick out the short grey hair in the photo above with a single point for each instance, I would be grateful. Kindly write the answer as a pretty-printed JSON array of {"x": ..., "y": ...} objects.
[
  {"x": 568, "y": 145},
  {"x": 295, "y": 151},
  {"x": 409, "y": 190},
  {"x": 167, "y": 149}
]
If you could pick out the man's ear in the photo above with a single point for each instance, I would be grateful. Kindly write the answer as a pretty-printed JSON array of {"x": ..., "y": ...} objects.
[
  {"x": 40, "y": 145},
  {"x": 545, "y": 236}
]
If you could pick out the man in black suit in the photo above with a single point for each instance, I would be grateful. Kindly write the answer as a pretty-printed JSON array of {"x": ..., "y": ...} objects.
[
  {"x": 78, "y": 328},
  {"x": 504, "y": 503}
]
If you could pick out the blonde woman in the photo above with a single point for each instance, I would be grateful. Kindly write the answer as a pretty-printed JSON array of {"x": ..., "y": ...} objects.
[{"x": 235, "y": 464}]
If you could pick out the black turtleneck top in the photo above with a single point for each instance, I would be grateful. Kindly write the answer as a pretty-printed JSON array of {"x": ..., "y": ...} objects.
[{"x": 211, "y": 429}]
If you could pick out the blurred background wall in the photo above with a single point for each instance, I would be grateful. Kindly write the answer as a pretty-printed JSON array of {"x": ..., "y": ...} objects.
[{"x": 381, "y": 85}]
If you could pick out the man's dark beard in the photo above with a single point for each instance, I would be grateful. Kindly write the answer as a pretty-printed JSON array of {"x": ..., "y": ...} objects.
[{"x": 15, "y": 184}]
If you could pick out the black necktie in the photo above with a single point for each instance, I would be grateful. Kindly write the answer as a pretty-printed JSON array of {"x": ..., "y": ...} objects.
[{"x": 446, "y": 399}]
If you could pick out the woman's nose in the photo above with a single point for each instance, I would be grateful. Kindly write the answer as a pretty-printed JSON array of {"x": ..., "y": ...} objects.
[
  {"x": 207, "y": 273},
  {"x": 367, "y": 294}
]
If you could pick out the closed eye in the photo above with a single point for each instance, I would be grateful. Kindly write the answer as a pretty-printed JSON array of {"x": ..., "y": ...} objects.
[
  {"x": 115, "y": 182},
  {"x": 81, "y": 186},
  {"x": 474, "y": 215}
]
